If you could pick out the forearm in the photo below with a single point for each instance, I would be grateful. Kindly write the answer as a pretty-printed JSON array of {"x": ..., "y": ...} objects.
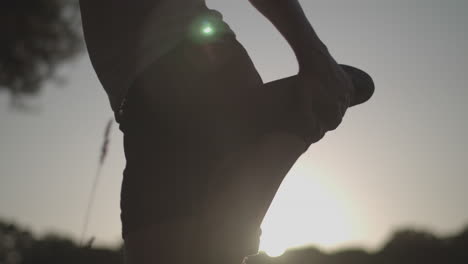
[{"x": 289, "y": 19}]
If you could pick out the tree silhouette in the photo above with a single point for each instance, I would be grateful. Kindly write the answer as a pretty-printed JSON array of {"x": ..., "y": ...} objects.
[
  {"x": 413, "y": 246},
  {"x": 36, "y": 37}
]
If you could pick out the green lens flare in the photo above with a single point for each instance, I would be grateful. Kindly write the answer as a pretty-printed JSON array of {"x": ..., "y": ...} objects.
[
  {"x": 205, "y": 29},
  {"x": 208, "y": 30}
]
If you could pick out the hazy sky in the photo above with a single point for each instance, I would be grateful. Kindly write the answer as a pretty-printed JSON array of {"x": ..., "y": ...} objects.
[{"x": 399, "y": 160}]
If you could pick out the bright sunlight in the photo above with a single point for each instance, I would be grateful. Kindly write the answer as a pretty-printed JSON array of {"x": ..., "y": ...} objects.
[{"x": 305, "y": 211}]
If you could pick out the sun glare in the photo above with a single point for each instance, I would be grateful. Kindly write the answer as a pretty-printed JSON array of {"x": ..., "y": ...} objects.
[
  {"x": 207, "y": 30},
  {"x": 304, "y": 211}
]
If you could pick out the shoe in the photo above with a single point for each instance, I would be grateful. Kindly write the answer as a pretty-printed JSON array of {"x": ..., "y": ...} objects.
[{"x": 362, "y": 82}]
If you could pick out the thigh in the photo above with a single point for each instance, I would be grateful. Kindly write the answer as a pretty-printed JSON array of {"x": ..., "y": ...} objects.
[
  {"x": 286, "y": 110},
  {"x": 252, "y": 175}
]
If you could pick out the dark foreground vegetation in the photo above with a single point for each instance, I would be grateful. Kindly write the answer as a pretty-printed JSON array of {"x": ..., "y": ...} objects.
[{"x": 19, "y": 246}]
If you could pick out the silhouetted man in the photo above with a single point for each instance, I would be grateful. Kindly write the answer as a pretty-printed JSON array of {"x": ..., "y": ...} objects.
[{"x": 206, "y": 142}]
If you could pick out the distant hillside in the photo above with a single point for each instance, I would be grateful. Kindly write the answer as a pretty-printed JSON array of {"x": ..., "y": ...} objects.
[{"x": 409, "y": 246}]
